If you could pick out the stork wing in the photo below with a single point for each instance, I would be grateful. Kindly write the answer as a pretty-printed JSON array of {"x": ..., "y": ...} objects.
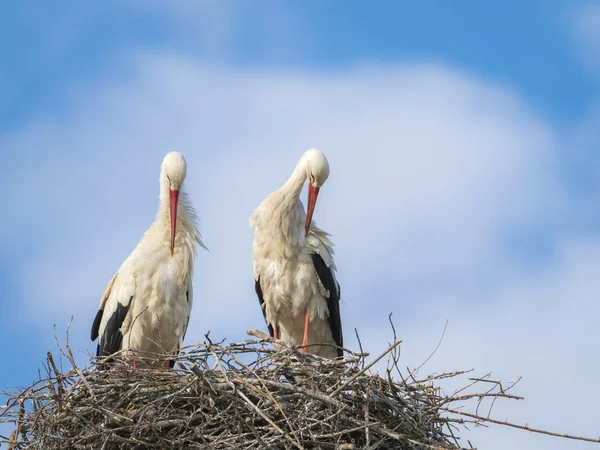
[
  {"x": 261, "y": 300},
  {"x": 321, "y": 250},
  {"x": 112, "y": 336},
  {"x": 189, "y": 295},
  {"x": 113, "y": 311},
  {"x": 98, "y": 319}
]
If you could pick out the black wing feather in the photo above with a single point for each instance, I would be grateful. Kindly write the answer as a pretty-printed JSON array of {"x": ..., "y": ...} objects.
[
  {"x": 112, "y": 338},
  {"x": 259, "y": 293},
  {"x": 333, "y": 302},
  {"x": 96, "y": 324}
]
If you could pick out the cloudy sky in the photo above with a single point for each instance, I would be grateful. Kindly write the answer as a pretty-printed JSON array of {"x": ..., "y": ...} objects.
[{"x": 465, "y": 174}]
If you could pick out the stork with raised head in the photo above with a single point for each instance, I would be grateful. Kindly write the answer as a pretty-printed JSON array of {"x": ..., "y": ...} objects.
[
  {"x": 145, "y": 309},
  {"x": 294, "y": 271}
]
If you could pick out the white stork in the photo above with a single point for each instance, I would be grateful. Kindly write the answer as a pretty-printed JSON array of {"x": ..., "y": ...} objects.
[
  {"x": 294, "y": 271},
  {"x": 146, "y": 306}
]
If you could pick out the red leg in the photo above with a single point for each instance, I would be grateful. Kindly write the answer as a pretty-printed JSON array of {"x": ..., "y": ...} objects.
[
  {"x": 305, "y": 337},
  {"x": 134, "y": 362},
  {"x": 166, "y": 365}
]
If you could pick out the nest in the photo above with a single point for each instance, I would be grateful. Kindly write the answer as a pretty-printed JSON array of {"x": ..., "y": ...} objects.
[{"x": 245, "y": 395}]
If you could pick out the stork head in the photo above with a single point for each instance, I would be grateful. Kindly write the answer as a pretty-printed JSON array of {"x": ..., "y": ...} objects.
[
  {"x": 173, "y": 171},
  {"x": 317, "y": 172}
]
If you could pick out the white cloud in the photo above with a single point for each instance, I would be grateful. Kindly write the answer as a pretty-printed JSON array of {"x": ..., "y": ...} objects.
[{"x": 432, "y": 171}]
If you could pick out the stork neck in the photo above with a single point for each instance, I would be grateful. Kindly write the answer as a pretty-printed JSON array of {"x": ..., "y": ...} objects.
[
  {"x": 293, "y": 186},
  {"x": 164, "y": 201}
]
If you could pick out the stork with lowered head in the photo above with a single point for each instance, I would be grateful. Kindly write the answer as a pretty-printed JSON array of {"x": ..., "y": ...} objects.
[
  {"x": 294, "y": 271},
  {"x": 145, "y": 309}
]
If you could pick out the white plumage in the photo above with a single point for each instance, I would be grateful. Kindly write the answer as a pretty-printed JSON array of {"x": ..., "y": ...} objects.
[
  {"x": 146, "y": 306},
  {"x": 294, "y": 271}
]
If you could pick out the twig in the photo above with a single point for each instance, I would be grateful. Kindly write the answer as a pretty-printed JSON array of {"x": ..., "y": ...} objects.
[
  {"x": 359, "y": 373},
  {"x": 523, "y": 427},
  {"x": 434, "y": 350}
]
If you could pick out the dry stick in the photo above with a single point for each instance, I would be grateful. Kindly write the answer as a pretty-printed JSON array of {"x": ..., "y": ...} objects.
[
  {"x": 360, "y": 346},
  {"x": 351, "y": 430},
  {"x": 269, "y": 394},
  {"x": 20, "y": 428},
  {"x": 256, "y": 435},
  {"x": 452, "y": 434},
  {"x": 367, "y": 434},
  {"x": 308, "y": 392},
  {"x": 264, "y": 416},
  {"x": 12, "y": 440},
  {"x": 50, "y": 384},
  {"x": 523, "y": 427},
  {"x": 241, "y": 394},
  {"x": 441, "y": 376},
  {"x": 483, "y": 395},
  {"x": 474, "y": 381},
  {"x": 264, "y": 337},
  {"x": 495, "y": 396},
  {"x": 399, "y": 437},
  {"x": 395, "y": 356},
  {"x": 359, "y": 373},
  {"x": 260, "y": 335},
  {"x": 79, "y": 372},
  {"x": 70, "y": 357},
  {"x": 503, "y": 391},
  {"x": 414, "y": 372}
]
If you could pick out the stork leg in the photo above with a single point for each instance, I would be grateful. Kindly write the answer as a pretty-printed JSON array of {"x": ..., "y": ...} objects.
[
  {"x": 305, "y": 336},
  {"x": 167, "y": 365},
  {"x": 134, "y": 362}
]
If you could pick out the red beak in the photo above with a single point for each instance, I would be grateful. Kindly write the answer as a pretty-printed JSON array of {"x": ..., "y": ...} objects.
[
  {"x": 174, "y": 196},
  {"x": 313, "y": 192}
]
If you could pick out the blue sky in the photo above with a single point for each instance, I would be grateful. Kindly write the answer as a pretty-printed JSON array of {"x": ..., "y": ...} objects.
[
  {"x": 528, "y": 45},
  {"x": 462, "y": 138}
]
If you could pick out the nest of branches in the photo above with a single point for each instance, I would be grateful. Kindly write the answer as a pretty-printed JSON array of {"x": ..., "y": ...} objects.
[{"x": 245, "y": 395}]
